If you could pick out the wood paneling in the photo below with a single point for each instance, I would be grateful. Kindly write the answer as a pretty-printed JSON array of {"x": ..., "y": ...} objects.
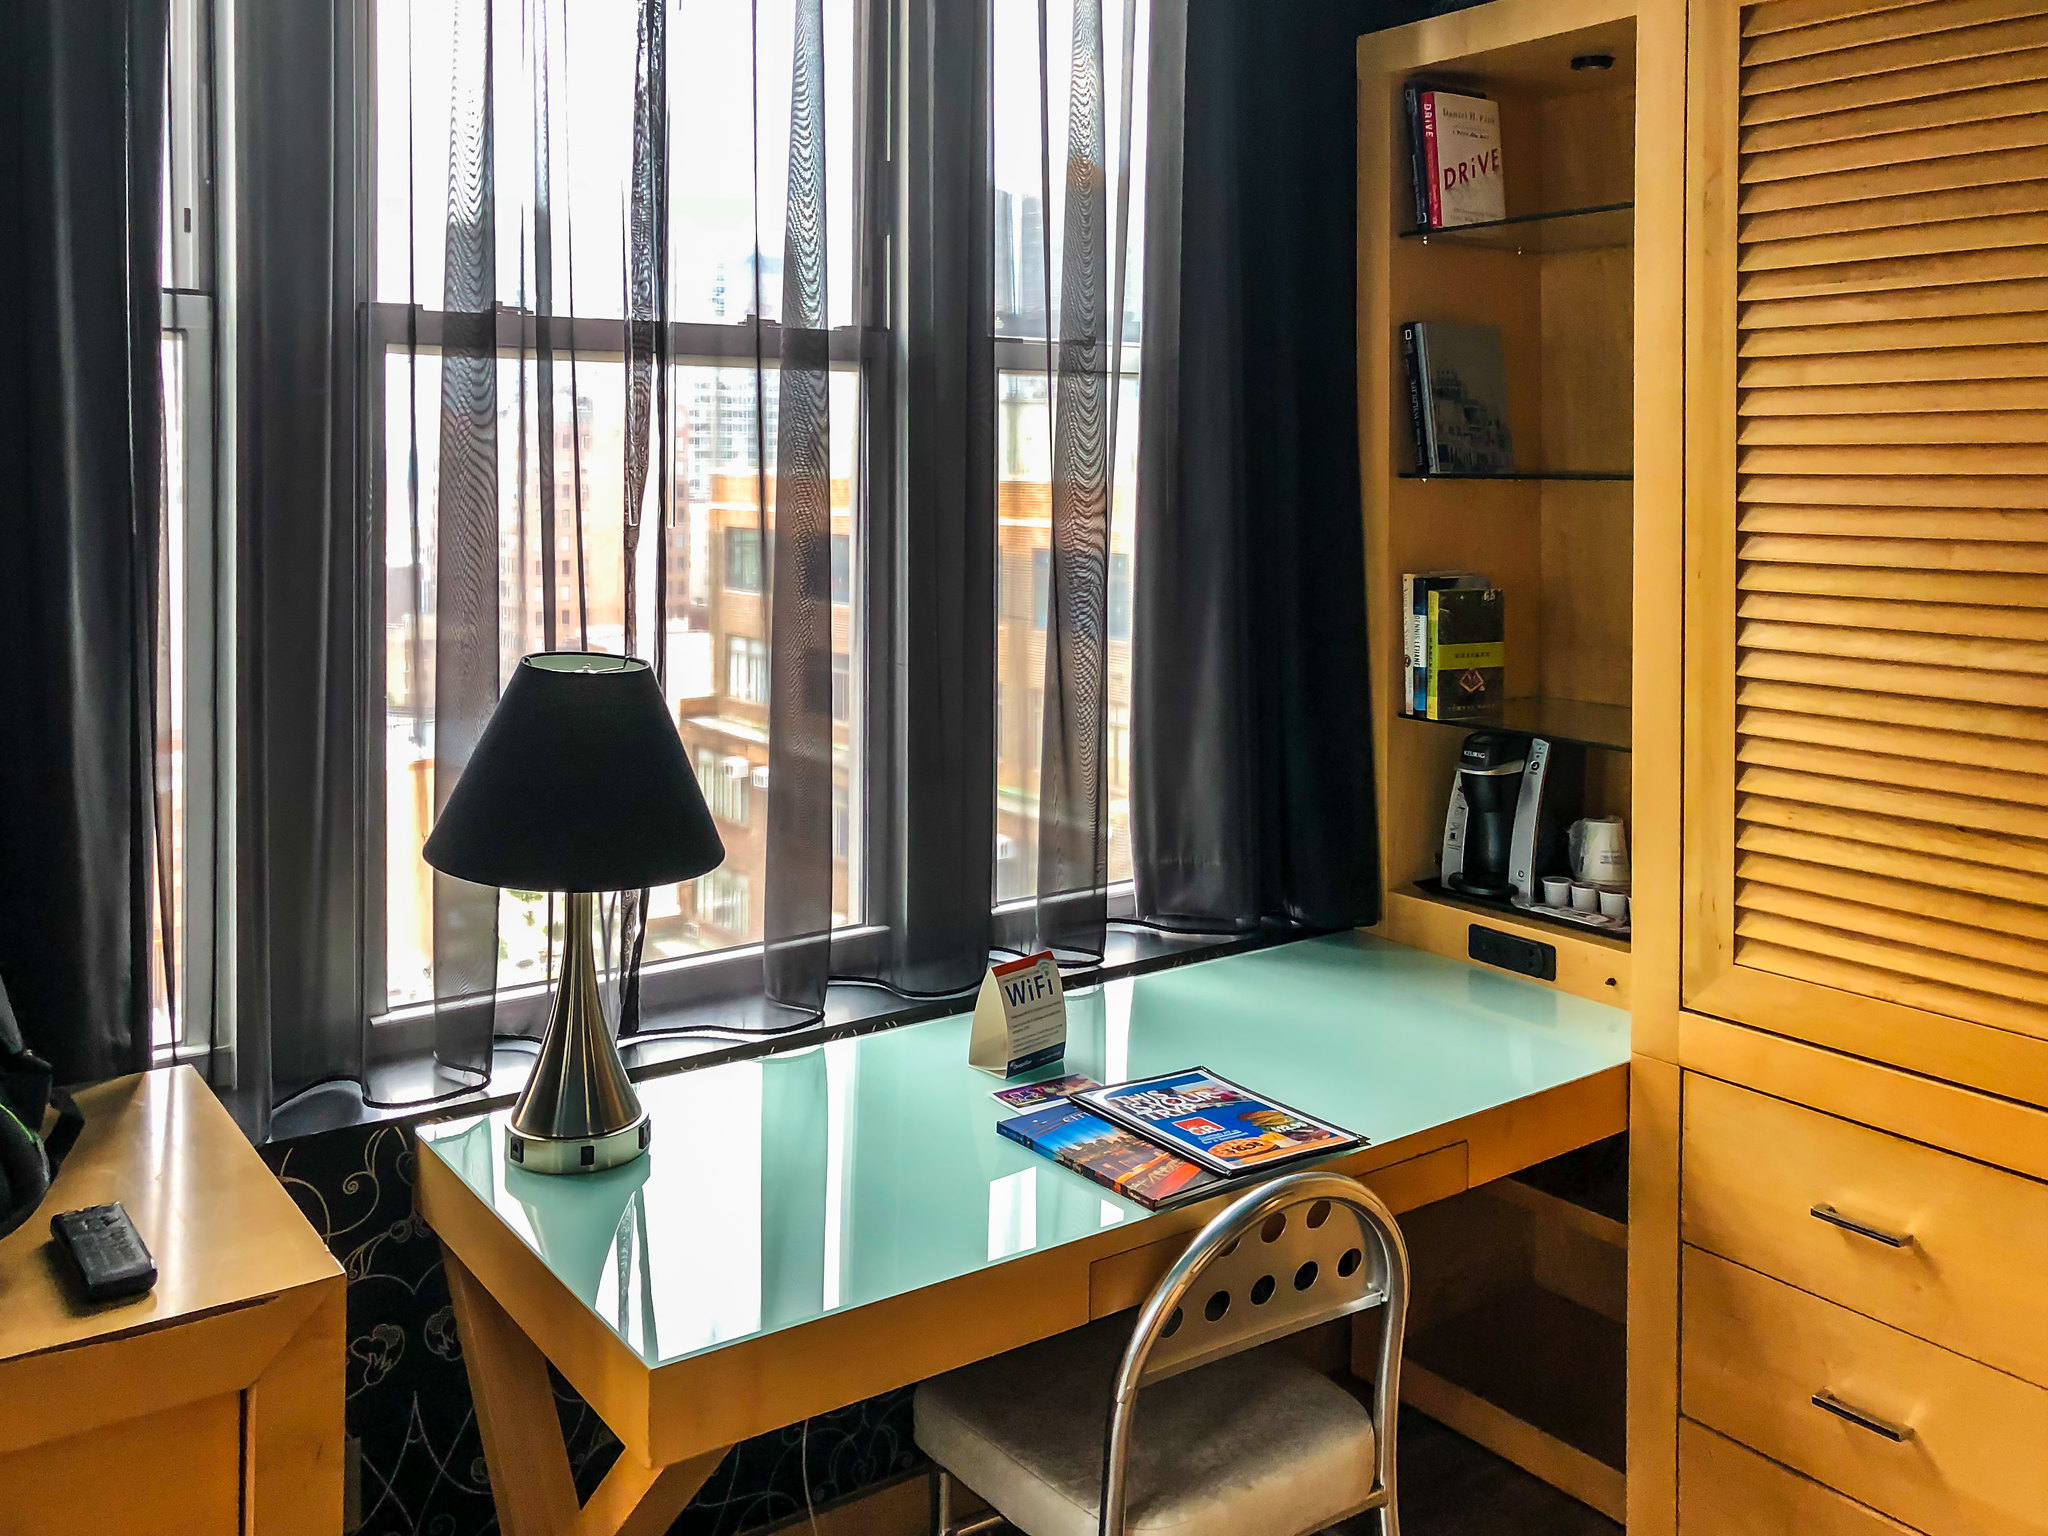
[{"x": 1873, "y": 406}]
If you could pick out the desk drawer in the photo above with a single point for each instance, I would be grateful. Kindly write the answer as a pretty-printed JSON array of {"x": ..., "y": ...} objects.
[
  {"x": 1725, "y": 1489},
  {"x": 1968, "y": 1460},
  {"x": 1970, "y": 1273}
]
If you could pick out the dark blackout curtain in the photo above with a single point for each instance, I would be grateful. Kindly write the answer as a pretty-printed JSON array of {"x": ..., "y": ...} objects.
[
  {"x": 1251, "y": 751},
  {"x": 82, "y": 95},
  {"x": 301, "y": 649}
]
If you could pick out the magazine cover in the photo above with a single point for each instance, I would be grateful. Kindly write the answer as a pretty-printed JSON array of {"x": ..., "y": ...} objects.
[
  {"x": 1110, "y": 1155},
  {"x": 1053, "y": 1090},
  {"x": 1215, "y": 1122}
]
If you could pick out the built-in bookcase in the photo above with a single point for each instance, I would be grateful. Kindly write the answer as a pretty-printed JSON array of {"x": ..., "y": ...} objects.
[
  {"x": 1521, "y": 1342},
  {"x": 1557, "y": 276}
]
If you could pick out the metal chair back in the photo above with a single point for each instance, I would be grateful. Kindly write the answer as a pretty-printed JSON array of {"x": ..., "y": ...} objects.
[{"x": 1304, "y": 1249}]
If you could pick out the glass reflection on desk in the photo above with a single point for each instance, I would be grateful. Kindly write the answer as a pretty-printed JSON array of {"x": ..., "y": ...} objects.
[{"x": 781, "y": 1189}]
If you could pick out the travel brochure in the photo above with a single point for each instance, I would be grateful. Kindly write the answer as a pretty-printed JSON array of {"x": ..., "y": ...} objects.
[{"x": 1162, "y": 1140}]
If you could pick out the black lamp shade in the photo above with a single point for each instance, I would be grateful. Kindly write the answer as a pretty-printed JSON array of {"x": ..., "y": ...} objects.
[{"x": 578, "y": 783}]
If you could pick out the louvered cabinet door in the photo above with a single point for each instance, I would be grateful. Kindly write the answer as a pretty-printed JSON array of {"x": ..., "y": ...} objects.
[{"x": 1866, "y": 795}]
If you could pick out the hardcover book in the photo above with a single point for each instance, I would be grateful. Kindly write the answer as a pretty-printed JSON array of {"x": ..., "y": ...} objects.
[
  {"x": 1460, "y": 141},
  {"x": 1467, "y": 653},
  {"x": 1109, "y": 1154},
  {"x": 1213, "y": 1122},
  {"x": 1462, "y": 378}
]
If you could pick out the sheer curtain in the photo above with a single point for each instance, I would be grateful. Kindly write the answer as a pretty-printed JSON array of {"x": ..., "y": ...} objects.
[
  {"x": 622, "y": 249},
  {"x": 1091, "y": 138}
]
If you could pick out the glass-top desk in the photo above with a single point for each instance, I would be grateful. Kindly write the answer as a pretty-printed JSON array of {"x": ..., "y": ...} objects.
[{"x": 813, "y": 1227}]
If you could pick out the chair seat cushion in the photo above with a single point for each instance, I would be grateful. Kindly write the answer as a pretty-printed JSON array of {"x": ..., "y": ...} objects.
[{"x": 1256, "y": 1444}]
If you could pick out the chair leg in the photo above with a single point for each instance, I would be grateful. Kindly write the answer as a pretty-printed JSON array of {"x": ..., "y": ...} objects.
[{"x": 942, "y": 1501}]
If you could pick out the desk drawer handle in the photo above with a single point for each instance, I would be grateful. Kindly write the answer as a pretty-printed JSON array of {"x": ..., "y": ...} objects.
[
  {"x": 1896, "y": 1433},
  {"x": 1835, "y": 1218}
]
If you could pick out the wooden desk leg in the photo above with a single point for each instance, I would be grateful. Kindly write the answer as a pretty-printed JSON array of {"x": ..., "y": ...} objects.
[{"x": 531, "y": 1484}]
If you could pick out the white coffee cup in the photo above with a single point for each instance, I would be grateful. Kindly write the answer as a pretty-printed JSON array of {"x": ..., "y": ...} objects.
[
  {"x": 1598, "y": 847},
  {"x": 1614, "y": 904},
  {"x": 1557, "y": 891},
  {"x": 1585, "y": 897}
]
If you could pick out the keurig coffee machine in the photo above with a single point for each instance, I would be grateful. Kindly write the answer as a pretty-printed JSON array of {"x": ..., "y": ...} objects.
[
  {"x": 1479, "y": 829},
  {"x": 1512, "y": 796}
]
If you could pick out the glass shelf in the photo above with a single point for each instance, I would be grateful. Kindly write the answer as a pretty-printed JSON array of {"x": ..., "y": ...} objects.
[
  {"x": 1605, "y": 227},
  {"x": 1520, "y": 474},
  {"x": 1607, "y": 726}
]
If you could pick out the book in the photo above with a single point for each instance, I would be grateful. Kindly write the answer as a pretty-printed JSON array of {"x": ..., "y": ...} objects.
[
  {"x": 1466, "y": 653},
  {"x": 1418, "y": 168},
  {"x": 1116, "y": 1158},
  {"x": 1411, "y": 356},
  {"x": 1460, "y": 143},
  {"x": 1213, "y": 1122},
  {"x": 1463, "y": 379},
  {"x": 1048, "y": 1091},
  {"x": 1415, "y": 590}
]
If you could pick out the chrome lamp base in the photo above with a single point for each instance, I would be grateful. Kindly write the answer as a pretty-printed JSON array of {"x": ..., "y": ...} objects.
[{"x": 578, "y": 1113}]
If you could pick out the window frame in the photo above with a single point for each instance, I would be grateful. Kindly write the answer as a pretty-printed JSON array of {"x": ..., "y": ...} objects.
[{"x": 189, "y": 310}]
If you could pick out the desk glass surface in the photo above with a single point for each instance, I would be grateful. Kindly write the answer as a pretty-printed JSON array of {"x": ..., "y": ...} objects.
[{"x": 783, "y": 1188}]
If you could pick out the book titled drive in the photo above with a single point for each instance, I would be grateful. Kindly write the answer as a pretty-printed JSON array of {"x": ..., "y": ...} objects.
[
  {"x": 1457, "y": 158},
  {"x": 1467, "y": 653}
]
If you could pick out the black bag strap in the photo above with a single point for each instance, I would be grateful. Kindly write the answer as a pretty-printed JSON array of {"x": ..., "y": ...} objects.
[{"x": 70, "y": 1121}]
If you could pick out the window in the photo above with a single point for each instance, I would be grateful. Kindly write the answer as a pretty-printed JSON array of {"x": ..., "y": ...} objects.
[
  {"x": 743, "y": 559},
  {"x": 188, "y": 724},
  {"x": 842, "y": 688},
  {"x": 701, "y": 560},
  {"x": 746, "y": 674},
  {"x": 724, "y": 902},
  {"x": 1041, "y": 581},
  {"x": 1119, "y": 597},
  {"x": 726, "y": 784},
  {"x": 842, "y": 568}
]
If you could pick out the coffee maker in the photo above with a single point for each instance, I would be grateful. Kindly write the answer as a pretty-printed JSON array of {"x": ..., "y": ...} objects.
[{"x": 1512, "y": 796}]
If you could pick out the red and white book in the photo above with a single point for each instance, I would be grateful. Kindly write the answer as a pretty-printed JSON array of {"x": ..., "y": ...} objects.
[{"x": 1461, "y": 159}]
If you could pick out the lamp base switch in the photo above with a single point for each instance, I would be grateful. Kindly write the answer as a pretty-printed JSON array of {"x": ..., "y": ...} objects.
[{"x": 1525, "y": 957}]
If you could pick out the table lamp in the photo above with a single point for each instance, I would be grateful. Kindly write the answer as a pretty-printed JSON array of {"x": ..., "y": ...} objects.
[{"x": 578, "y": 784}]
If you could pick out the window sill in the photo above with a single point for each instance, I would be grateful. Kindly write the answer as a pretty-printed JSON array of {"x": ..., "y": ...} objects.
[{"x": 730, "y": 1032}]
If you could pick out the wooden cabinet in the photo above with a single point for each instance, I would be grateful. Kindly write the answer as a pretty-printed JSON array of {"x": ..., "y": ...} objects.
[{"x": 1866, "y": 671}]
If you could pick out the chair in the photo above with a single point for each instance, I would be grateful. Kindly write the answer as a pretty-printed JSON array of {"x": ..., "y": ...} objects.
[{"x": 1175, "y": 1425}]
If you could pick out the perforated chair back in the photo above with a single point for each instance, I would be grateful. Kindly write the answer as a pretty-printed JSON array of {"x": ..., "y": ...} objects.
[{"x": 1304, "y": 1249}]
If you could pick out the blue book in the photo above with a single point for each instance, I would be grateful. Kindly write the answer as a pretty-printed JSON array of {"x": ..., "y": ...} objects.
[{"x": 1109, "y": 1154}]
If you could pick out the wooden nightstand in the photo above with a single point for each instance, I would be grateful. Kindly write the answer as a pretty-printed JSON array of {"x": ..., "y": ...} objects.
[{"x": 211, "y": 1405}]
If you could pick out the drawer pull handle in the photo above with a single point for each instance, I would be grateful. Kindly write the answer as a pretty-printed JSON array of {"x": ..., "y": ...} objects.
[
  {"x": 1896, "y": 1433},
  {"x": 1835, "y": 1218}
]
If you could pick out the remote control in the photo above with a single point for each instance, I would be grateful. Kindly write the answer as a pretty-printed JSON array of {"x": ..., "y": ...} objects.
[{"x": 106, "y": 1250}]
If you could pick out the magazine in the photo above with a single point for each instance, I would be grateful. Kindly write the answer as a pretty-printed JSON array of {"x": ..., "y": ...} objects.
[
  {"x": 1212, "y": 1121},
  {"x": 1047, "y": 1091},
  {"x": 1113, "y": 1157}
]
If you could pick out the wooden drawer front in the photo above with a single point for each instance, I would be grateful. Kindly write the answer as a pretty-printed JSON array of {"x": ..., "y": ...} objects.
[
  {"x": 1971, "y": 1276},
  {"x": 1725, "y": 1489},
  {"x": 1755, "y": 1352}
]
